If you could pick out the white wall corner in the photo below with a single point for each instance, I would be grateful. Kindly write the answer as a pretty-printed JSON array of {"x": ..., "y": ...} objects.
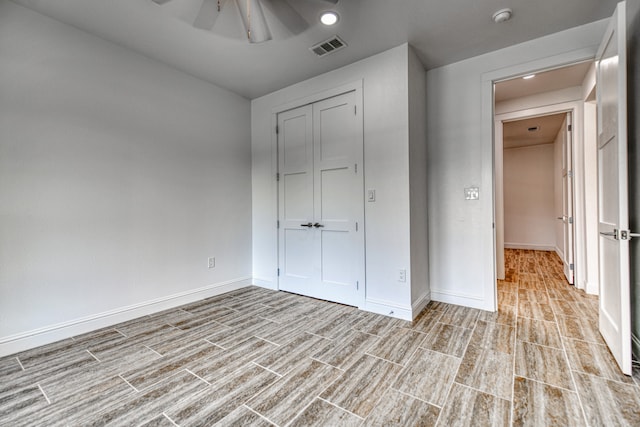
[
  {"x": 458, "y": 298},
  {"x": 27, "y": 340},
  {"x": 388, "y": 308},
  {"x": 419, "y": 304},
  {"x": 265, "y": 283}
]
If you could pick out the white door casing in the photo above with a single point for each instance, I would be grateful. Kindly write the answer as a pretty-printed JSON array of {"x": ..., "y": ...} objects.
[
  {"x": 321, "y": 235},
  {"x": 567, "y": 200},
  {"x": 613, "y": 215}
]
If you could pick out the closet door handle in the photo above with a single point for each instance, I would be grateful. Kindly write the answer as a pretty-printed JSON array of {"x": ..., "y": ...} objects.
[
  {"x": 309, "y": 225},
  {"x": 613, "y": 233},
  {"x": 318, "y": 225}
]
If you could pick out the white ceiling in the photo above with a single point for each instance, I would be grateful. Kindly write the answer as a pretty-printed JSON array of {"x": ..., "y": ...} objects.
[
  {"x": 547, "y": 81},
  {"x": 516, "y": 134},
  {"x": 441, "y": 31}
]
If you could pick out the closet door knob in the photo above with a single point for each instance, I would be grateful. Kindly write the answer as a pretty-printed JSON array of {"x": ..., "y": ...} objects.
[
  {"x": 318, "y": 225},
  {"x": 307, "y": 225}
]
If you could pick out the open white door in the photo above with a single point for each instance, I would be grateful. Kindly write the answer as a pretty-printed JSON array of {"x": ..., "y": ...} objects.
[
  {"x": 613, "y": 214},
  {"x": 567, "y": 199}
]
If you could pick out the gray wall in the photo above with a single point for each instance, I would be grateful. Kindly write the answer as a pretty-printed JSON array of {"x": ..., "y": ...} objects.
[
  {"x": 119, "y": 176},
  {"x": 633, "y": 119},
  {"x": 461, "y": 245},
  {"x": 386, "y": 162}
]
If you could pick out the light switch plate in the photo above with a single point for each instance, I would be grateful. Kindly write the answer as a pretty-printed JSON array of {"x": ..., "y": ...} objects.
[
  {"x": 371, "y": 195},
  {"x": 472, "y": 193}
]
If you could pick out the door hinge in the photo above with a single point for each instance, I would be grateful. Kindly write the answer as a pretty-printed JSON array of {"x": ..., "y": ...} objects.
[
  {"x": 277, "y": 129},
  {"x": 357, "y": 285},
  {"x": 355, "y": 167},
  {"x": 277, "y": 176},
  {"x": 571, "y": 267},
  {"x": 355, "y": 110},
  {"x": 570, "y": 174},
  {"x": 278, "y": 224},
  {"x": 356, "y": 226},
  {"x": 570, "y": 128},
  {"x": 570, "y": 220},
  {"x": 278, "y": 272}
]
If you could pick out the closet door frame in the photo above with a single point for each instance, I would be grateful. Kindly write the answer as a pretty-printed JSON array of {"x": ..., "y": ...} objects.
[{"x": 357, "y": 88}]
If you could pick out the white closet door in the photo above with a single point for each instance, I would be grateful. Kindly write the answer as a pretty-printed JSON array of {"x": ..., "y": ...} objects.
[
  {"x": 338, "y": 197},
  {"x": 321, "y": 231},
  {"x": 296, "y": 235}
]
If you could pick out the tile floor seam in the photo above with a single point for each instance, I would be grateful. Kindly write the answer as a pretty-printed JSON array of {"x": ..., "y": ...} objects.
[
  {"x": 244, "y": 405},
  {"x": 197, "y": 376},
  {"x": 44, "y": 394},
  {"x": 446, "y": 354},
  {"x": 93, "y": 355},
  {"x": 130, "y": 385},
  {"x": 418, "y": 398},
  {"x": 382, "y": 358},
  {"x": 120, "y": 332},
  {"x": 339, "y": 407},
  {"x": 267, "y": 369},
  {"x": 170, "y": 420},
  {"x": 146, "y": 346}
]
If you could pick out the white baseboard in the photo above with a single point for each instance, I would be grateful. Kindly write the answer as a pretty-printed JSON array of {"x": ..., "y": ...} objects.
[
  {"x": 559, "y": 252},
  {"x": 529, "y": 246},
  {"x": 591, "y": 288},
  {"x": 265, "y": 283},
  {"x": 387, "y": 308},
  {"x": 635, "y": 346},
  {"x": 420, "y": 304},
  {"x": 448, "y": 297},
  {"x": 26, "y": 340}
]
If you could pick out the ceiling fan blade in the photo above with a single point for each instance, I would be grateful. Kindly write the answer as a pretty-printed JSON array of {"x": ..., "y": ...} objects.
[
  {"x": 289, "y": 17},
  {"x": 208, "y": 14},
  {"x": 253, "y": 19}
]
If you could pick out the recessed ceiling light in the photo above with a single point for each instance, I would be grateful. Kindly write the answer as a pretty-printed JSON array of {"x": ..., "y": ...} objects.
[
  {"x": 502, "y": 15},
  {"x": 530, "y": 76},
  {"x": 329, "y": 17}
]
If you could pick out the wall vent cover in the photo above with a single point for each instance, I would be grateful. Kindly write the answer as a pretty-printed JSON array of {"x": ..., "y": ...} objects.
[{"x": 328, "y": 46}]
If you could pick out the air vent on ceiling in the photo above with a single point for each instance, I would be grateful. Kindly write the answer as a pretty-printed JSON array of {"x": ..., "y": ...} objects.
[
  {"x": 534, "y": 129},
  {"x": 331, "y": 45}
]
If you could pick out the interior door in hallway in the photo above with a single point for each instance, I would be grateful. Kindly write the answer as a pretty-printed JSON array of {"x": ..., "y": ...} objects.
[
  {"x": 567, "y": 200},
  {"x": 321, "y": 236},
  {"x": 613, "y": 214}
]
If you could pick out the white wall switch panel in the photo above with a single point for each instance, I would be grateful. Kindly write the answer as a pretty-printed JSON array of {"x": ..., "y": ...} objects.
[
  {"x": 371, "y": 195},
  {"x": 212, "y": 262},
  {"x": 472, "y": 193},
  {"x": 402, "y": 275}
]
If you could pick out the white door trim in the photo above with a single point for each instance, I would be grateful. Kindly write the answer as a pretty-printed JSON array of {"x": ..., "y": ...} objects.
[
  {"x": 573, "y": 107},
  {"x": 488, "y": 152},
  {"x": 355, "y": 86}
]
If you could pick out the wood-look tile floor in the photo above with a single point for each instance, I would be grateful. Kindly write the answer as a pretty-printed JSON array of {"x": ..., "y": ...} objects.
[{"x": 258, "y": 357}]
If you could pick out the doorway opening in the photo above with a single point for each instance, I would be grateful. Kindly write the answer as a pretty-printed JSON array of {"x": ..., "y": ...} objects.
[{"x": 544, "y": 140}]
